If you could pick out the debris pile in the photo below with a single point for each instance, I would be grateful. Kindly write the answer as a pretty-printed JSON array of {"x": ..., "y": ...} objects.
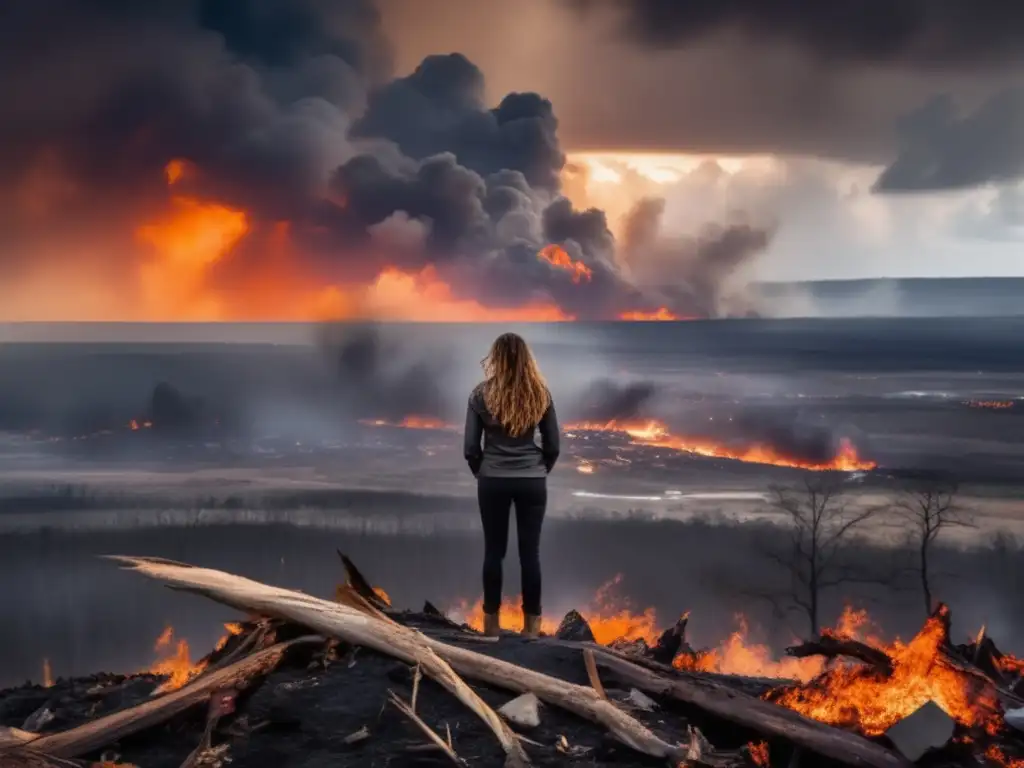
[{"x": 354, "y": 682}]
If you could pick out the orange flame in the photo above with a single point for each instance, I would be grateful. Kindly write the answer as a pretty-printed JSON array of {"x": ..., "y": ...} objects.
[
  {"x": 47, "y": 674},
  {"x": 558, "y": 257},
  {"x": 175, "y": 662},
  {"x": 737, "y": 655},
  {"x": 656, "y": 434},
  {"x": 195, "y": 238},
  {"x": 609, "y": 616},
  {"x": 857, "y": 697}
]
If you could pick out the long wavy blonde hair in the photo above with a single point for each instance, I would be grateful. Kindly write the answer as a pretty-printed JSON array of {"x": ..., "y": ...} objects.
[{"x": 515, "y": 392}]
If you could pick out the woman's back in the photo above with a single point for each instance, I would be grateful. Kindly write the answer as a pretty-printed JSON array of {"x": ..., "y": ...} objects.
[{"x": 505, "y": 454}]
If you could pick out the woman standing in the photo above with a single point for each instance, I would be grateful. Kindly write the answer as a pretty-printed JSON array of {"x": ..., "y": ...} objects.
[{"x": 506, "y": 411}]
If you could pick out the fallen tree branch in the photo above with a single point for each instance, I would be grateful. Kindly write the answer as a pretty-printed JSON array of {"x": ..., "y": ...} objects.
[
  {"x": 413, "y": 647},
  {"x": 98, "y": 733},
  {"x": 732, "y": 705},
  {"x": 831, "y": 647},
  {"x": 353, "y": 619},
  {"x": 429, "y": 732}
]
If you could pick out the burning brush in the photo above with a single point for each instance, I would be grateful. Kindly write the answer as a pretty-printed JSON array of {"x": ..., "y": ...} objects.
[{"x": 873, "y": 705}]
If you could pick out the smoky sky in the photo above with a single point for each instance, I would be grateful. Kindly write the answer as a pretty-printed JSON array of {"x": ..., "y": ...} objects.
[
  {"x": 832, "y": 80},
  {"x": 292, "y": 112},
  {"x": 943, "y": 146},
  {"x": 913, "y": 33}
]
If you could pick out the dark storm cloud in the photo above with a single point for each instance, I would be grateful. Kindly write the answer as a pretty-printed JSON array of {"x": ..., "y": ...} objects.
[
  {"x": 918, "y": 33},
  {"x": 943, "y": 147},
  {"x": 440, "y": 108}
]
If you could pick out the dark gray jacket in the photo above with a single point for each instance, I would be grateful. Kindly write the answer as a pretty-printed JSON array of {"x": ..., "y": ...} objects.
[{"x": 503, "y": 455}]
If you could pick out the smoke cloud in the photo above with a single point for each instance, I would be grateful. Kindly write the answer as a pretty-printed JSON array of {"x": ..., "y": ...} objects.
[
  {"x": 607, "y": 400},
  {"x": 916, "y": 33},
  {"x": 381, "y": 378},
  {"x": 696, "y": 270},
  {"x": 943, "y": 147},
  {"x": 287, "y": 111}
]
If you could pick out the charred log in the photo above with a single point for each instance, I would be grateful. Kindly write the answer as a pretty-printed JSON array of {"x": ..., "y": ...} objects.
[
  {"x": 672, "y": 642},
  {"x": 356, "y": 580},
  {"x": 760, "y": 716},
  {"x": 832, "y": 647}
]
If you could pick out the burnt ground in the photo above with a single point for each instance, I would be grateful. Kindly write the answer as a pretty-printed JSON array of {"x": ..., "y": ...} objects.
[
  {"x": 307, "y": 709},
  {"x": 301, "y": 713}
]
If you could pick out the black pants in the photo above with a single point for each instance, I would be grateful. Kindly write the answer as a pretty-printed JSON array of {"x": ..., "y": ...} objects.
[{"x": 496, "y": 496}]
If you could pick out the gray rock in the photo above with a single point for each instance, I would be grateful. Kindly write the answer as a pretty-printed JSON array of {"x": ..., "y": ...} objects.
[
  {"x": 926, "y": 728},
  {"x": 523, "y": 711}
]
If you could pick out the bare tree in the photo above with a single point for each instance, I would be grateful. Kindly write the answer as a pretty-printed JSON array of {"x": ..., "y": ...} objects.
[
  {"x": 821, "y": 521},
  {"x": 929, "y": 505}
]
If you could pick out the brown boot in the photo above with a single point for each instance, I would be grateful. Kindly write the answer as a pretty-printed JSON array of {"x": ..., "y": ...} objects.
[
  {"x": 531, "y": 626},
  {"x": 492, "y": 624}
]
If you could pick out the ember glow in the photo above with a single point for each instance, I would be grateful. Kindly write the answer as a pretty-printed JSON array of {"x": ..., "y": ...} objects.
[
  {"x": 657, "y": 435},
  {"x": 991, "y": 405},
  {"x": 759, "y": 753},
  {"x": 47, "y": 674}
]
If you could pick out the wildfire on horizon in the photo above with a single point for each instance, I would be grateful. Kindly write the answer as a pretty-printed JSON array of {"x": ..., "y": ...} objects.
[
  {"x": 199, "y": 259},
  {"x": 655, "y": 434},
  {"x": 661, "y": 314}
]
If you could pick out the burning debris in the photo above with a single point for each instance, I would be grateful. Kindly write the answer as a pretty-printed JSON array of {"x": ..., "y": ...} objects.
[
  {"x": 305, "y": 680},
  {"x": 655, "y": 434}
]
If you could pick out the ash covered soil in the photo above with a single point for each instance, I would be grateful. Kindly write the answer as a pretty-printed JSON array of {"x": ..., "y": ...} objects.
[{"x": 304, "y": 712}]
